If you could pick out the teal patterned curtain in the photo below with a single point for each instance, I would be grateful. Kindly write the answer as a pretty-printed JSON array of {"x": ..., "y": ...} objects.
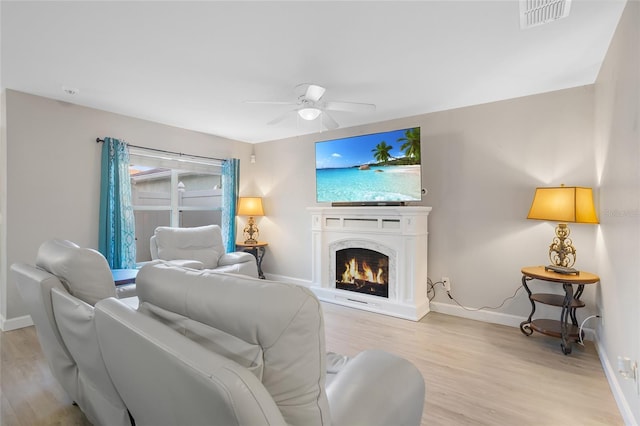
[
  {"x": 116, "y": 239},
  {"x": 230, "y": 179}
]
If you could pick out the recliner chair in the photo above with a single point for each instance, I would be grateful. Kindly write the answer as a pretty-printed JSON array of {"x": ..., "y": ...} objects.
[
  {"x": 214, "y": 348},
  {"x": 59, "y": 293},
  {"x": 199, "y": 247}
]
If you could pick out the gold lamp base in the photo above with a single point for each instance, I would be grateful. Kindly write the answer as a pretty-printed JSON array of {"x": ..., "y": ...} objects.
[
  {"x": 251, "y": 232},
  {"x": 562, "y": 254}
]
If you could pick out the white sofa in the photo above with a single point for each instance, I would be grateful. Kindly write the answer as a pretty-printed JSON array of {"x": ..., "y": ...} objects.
[
  {"x": 206, "y": 347},
  {"x": 199, "y": 248},
  {"x": 203, "y": 347},
  {"x": 59, "y": 293}
]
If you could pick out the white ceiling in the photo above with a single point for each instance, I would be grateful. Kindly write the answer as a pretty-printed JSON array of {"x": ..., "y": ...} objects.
[{"x": 193, "y": 64}]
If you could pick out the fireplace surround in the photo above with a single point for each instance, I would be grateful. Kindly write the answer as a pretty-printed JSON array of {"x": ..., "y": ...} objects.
[{"x": 395, "y": 236}]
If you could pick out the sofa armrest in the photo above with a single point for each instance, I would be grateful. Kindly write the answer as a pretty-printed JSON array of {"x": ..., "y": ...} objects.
[
  {"x": 235, "y": 257},
  {"x": 377, "y": 388},
  {"x": 97, "y": 398}
]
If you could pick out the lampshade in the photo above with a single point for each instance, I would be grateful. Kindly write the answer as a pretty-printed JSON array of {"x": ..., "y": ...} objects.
[
  {"x": 309, "y": 113},
  {"x": 564, "y": 204},
  {"x": 250, "y": 206}
]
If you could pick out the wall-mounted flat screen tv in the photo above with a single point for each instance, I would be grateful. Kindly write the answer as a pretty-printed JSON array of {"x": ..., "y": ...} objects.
[{"x": 376, "y": 169}]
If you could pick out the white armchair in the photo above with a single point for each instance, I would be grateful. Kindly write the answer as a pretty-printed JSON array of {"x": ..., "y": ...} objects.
[{"x": 199, "y": 248}]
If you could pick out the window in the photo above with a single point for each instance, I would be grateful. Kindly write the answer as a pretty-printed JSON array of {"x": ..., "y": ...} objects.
[{"x": 168, "y": 191}]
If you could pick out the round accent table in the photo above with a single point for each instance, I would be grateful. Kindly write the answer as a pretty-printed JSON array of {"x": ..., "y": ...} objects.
[{"x": 569, "y": 302}]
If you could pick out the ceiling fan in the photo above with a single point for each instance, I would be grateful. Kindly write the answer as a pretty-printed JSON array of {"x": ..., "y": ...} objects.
[{"x": 310, "y": 105}]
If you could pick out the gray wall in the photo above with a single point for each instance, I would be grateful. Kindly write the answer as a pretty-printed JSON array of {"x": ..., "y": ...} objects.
[
  {"x": 617, "y": 140},
  {"x": 481, "y": 165},
  {"x": 53, "y": 173}
]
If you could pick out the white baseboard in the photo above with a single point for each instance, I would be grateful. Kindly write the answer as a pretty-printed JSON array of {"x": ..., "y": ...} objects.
[
  {"x": 614, "y": 384},
  {"x": 483, "y": 315},
  {"x": 490, "y": 316},
  {"x": 446, "y": 308},
  {"x": 15, "y": 323}
]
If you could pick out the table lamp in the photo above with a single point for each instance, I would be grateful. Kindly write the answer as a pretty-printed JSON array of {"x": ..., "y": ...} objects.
[
  {"x": 250, "y": 206},
  {"x": 563, "y": 204}
]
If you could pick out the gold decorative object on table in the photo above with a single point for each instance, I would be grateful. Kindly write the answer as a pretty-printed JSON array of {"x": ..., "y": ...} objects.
[
  {"x": 250, "y": 206},
  {"x": 563, "y": 204}
]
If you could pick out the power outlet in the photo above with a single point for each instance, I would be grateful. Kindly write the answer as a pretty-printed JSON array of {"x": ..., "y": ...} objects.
[
  {"x": 600, "y": 316},
  {"x": 629, "y": 370},
  {"x": 446, "y": 283}
]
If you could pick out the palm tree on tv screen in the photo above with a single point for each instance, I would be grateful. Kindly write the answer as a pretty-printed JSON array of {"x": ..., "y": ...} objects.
[
  {"x": 411, "y": 145},
  {"x": 381, "y": 152}
]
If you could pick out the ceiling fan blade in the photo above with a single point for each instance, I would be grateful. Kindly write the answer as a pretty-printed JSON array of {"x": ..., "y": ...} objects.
[
  {"x": 328, "y": 121},
  {"x": 314, "y": 92},
  {"x": 272, "y": 102},
  {"x": 349, "y": 106},
  {"x": 278, "y": 119}
]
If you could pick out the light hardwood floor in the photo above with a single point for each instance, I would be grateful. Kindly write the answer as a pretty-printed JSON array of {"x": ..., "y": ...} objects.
[{"x": 475, "y": 373}]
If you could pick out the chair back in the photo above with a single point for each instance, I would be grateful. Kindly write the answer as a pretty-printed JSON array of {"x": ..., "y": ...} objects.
[
  {"x": 84, "y": 272},
  {"x": 273, "y": 329},
  {"x": 168, "y": 379},
  {"x": 202, "y": 243}
]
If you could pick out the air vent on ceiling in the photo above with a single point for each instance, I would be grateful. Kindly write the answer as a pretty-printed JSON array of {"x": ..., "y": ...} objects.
[{"x": 538, "y": 12}]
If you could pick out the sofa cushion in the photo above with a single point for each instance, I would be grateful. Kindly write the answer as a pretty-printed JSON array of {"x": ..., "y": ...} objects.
[
  {"x": 84, "y": 272},
  {"x": 284, "y": 319},
  {"x": 248, "y": 355},
  {"x": 202, "y": 243}
]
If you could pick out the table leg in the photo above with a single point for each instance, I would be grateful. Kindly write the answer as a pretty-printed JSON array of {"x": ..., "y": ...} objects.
[
  {"x": 525, "y": 326},
  {"x": 259, "y": 255},
  {"x": 564, "y": 326},
  {"x": 576, "y": 296}
]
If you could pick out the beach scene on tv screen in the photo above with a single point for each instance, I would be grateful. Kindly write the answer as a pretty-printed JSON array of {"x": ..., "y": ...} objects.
[{"x": 370, "y": 168}]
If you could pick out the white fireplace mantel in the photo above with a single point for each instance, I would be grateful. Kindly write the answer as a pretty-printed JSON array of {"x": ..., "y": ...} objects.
[{"x": 400, "y": 232}]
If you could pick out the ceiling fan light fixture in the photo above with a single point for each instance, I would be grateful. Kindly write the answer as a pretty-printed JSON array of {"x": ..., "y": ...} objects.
[{"x": 310, "y": 113}]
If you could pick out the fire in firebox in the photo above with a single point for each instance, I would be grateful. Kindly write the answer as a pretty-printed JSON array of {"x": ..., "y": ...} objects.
[{"x": 363, "y": 271}]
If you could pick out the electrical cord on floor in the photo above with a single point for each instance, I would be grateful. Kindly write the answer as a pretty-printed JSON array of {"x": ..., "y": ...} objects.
[
  {"x": 431, "y": 290},
  {"x": 581, "y": 342},
  {"x": 485, "y": 307}
]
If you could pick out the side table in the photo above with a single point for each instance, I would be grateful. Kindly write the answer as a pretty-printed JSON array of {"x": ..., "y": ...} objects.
[
  {"x": 569, "y": 302},
  {"x": 125, "y": 281},
  {"x": 124, "y": 276},
  {"x": 257, "y": 250}
]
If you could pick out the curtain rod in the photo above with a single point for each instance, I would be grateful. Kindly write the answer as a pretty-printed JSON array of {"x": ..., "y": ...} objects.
[{"x": 98, "y": 140}]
